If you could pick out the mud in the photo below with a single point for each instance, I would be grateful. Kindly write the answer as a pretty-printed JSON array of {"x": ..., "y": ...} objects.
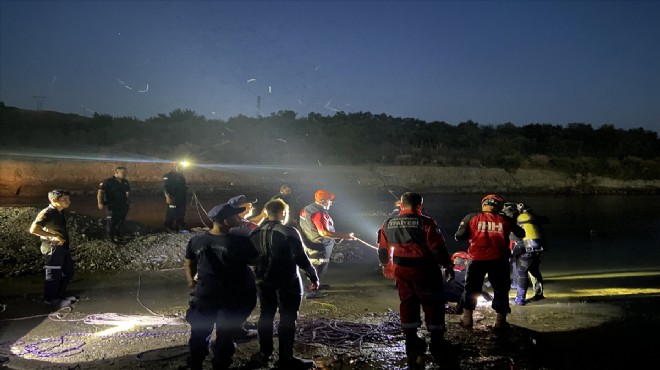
[{"x": 564, "y": 331}]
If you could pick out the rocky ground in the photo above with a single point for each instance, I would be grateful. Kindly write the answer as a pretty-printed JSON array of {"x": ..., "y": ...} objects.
[{"x": 146, "y": 248}]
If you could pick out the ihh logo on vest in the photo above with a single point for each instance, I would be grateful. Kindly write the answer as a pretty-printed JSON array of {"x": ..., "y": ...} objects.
[{"x": 490, "y": 227}]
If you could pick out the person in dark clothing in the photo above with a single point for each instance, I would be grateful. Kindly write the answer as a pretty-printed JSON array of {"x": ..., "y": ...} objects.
[
  {"x": 50, "y": 226},
  {"x": 113, "y": 195},
  {"x": 224, "y": 293},
  {"x": 417, "y": 250},
  {"x": 279, "y": 285},
  {"x": 318, "y": 232},
  {"x": 488, "y": 234},
  {"x": 174, "y": 185}
]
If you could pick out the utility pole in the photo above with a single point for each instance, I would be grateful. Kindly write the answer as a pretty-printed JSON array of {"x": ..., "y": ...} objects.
[
  {"x": 40, "y": 101},
  {"x": 259, "y": 106}
]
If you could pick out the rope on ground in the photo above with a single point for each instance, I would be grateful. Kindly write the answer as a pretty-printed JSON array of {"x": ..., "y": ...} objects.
[
  {"x": 68, "y": 345},
  {"x": 347, "y": 334},
  {"x": 135, "y": 320},
  {"x": 137, "y": 297},
  {"x": 194, "y": 201}
]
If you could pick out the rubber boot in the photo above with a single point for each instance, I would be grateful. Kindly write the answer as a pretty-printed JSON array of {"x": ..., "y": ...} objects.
[
  {"x": 466, "y": 319},
  {"x": 415, "y": 349},
  {"x": 287, "y": 360},
  {"x": 437, "y": 344},
  {"x": 500, "y": 322}
]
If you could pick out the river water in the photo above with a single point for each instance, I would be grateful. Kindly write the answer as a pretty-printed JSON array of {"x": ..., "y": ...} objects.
[{"x": 587, "y": 233}]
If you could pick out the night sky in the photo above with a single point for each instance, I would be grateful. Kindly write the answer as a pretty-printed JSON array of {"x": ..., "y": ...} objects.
[{"x": 491, "y": 62}]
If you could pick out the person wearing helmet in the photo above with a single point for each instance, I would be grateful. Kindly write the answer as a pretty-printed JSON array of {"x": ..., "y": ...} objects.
[
  {"x": 527, "y": 254},
  {"x": 455, "y": 287},
  {"x": 415, "y": 246},
  {"x": 318, "y": 232},
  {"x": 488, "y": 234}
]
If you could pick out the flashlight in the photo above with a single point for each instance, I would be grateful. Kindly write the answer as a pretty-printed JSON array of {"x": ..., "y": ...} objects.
[{"x": 184, "y": 164}]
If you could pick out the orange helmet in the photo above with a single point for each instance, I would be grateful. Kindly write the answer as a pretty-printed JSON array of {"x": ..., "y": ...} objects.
[
  {"x": 323, "y": 195},
  {"x": 493, "y": 200}
]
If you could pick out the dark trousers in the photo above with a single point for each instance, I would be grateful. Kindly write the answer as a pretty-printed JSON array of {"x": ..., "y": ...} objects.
[
  {"x": 115, "y": 217},
  {"x": 427, "y": 292},
  {"x": 176, "y": 214},
  {"x": 228, "y": 318},
  {"x": 527, "y": 264},
  {"x": 59, "y": 271},
  {"x": 201, "y": 322},
  {"x": 499, "y": 277},
  {"x": 287, "y": 299}
]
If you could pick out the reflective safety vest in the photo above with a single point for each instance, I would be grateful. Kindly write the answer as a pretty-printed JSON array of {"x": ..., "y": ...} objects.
[{"x": 309, "y": 230}]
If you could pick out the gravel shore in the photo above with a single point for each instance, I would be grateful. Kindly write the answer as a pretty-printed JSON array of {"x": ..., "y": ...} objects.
[{"x": 146, "y": 248}]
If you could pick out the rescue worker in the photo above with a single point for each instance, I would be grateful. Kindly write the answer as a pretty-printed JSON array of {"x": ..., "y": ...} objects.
[
  {"x": 174, "y": 185},
  {"x": 419, "y": 251},
  {"x": 528, "y": 253},
  {"x": 455, "y": 287},
  {"x": 113, "y": 194},
  {"x": 488, "y": 234},
  {"x": 279, "y": 285},
  {"x": 225, "y": 292},
  {"x": 50, "y": 226},
  {"x": 318, "y": 232}
]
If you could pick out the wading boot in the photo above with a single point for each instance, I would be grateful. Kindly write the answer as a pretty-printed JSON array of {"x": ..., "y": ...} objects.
[
  {"x": 415, "y": 349},
  {"x": 437, "y": 344},
  {"x": 466, "y": 319},
  {"x": 287, "y": 361}
]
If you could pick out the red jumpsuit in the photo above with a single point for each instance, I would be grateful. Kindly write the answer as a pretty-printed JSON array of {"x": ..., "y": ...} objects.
[{"x": 418, "y": 251}]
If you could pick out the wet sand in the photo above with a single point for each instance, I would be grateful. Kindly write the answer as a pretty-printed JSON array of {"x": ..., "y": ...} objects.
[{"x": 579, "y": 325}]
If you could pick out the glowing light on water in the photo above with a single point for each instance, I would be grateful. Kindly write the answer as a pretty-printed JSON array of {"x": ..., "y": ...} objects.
[{"x": 606, "y": 275}]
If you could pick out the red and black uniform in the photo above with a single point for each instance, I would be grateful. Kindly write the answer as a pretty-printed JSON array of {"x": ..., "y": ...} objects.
[
  {"x": 116, "y": 203},
  {"x": 57, "y": 258},
  {"x": 488, "y": 234},
  {"x": 418, "y": 250}
]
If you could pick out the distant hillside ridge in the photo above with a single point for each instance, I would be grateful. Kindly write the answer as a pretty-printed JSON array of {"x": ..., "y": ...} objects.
[{"x": 577, "y": 151}]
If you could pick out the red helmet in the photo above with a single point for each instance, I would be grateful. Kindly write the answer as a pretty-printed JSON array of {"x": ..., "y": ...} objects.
[
  {"x": 461, "y": 260},
  {"x": 493, "y": 200},
  {"x": 323, "y": 195}
]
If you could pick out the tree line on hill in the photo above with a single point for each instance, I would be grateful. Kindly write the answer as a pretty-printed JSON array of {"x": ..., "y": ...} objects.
[{"x": 360, "y": 138}]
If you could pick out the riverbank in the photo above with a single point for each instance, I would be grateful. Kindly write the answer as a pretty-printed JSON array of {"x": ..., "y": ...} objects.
[
  {"x": 354, "y": 328},
  {"x": 36, "y": 177}
]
